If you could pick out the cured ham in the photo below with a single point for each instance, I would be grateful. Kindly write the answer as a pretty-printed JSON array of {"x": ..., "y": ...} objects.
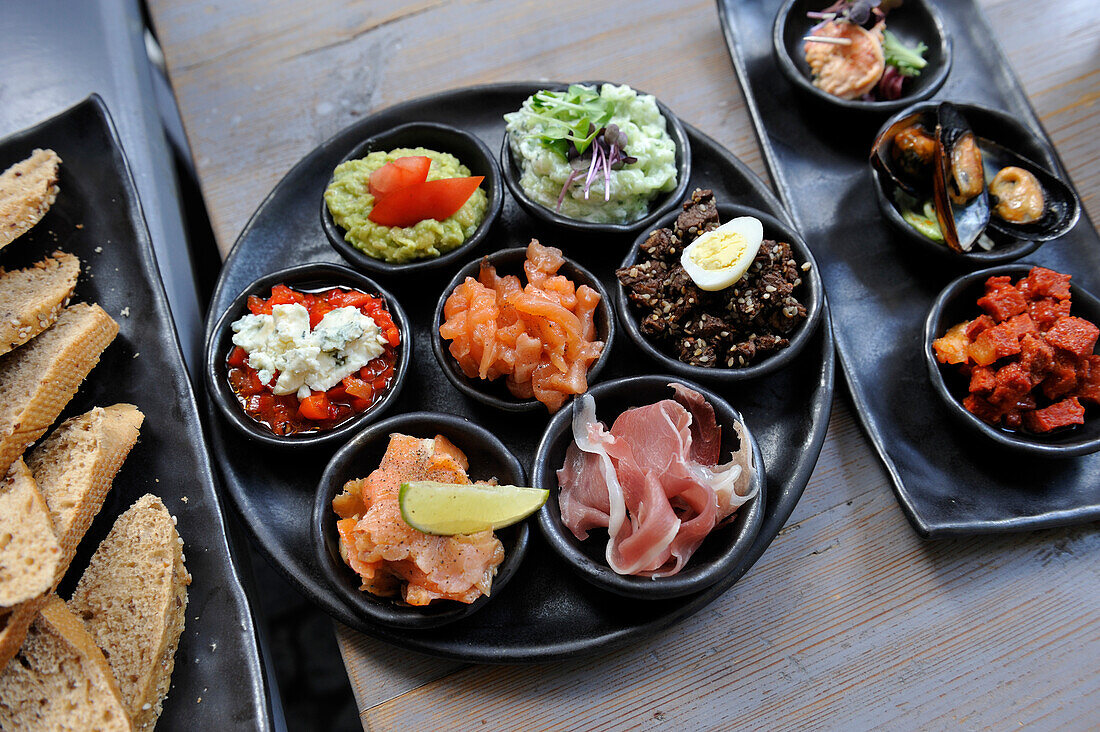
[
  {"x": 541, "y": 337},
  {"x": 653, "y": 480}
]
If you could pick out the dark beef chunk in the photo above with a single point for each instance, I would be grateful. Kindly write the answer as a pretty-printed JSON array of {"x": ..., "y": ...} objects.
[{"x": 700, "y": 214}]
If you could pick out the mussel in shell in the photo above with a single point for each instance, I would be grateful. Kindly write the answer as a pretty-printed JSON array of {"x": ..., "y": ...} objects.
[
  {"x": 975, "y": 185},
  {"x": 1017, "y": 196},
  {"x": 1060, "y": 205},
  {"x": 906, "y": 153},
  {"x": 958, "y": 183}
]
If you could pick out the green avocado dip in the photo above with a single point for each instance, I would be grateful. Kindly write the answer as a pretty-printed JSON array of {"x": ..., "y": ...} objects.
[
  {"x": 349, "y": 201},
  {"x": 556, "y": 137}
]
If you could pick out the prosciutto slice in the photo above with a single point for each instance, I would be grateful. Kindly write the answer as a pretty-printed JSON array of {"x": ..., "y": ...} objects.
[{"x": 653, "y": 481}]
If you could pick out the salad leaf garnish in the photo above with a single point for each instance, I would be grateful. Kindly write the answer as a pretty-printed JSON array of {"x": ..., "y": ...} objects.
[{"x": 908, "y": 60}]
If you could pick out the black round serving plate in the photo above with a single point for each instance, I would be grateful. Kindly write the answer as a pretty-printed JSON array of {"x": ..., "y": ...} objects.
[
  {"x": 546, "y": 612},
  {"x": 913, "y": 22},
  {"x": 495, "y": 393},
  {"x": 957, "y": 303}
]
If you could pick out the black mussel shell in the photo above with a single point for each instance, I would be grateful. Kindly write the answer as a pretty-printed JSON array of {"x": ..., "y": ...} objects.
[
  {"x": 960, "y": 223},
  {"x": 1061, "y": 207},
  {"x": 894, "y": 165}
]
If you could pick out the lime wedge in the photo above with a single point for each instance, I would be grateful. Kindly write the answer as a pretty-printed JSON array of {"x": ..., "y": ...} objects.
[{"x": 449, "y": 508}]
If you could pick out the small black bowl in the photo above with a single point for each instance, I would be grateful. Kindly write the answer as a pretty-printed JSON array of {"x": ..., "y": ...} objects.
[
  {"x": 488, "y": 457},
  {"x": 720, "y": 554},
  {"x": 495, "y": 393},
  {"x": 993, "y": 125},
  {"x": 915, "y": 21},
  {"x": 813, "y": 297},
  {"x": 658, "y": 206},
  {"x": 958, "y": 302},
  {"x": 303, "y": 277},
  {"x": 470, "y": 151}
]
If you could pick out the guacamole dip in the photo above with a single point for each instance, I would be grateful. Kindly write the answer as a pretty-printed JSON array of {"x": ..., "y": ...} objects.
[
  {"x": 535, "y": 135},
  {"x": 349, "y": 201}
]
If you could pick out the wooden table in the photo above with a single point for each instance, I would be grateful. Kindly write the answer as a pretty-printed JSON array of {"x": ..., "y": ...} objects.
[{"x": 849, "y": 619}]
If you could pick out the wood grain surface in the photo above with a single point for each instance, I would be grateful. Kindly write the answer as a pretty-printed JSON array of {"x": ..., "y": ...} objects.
[{"x": 849, "y": 620}]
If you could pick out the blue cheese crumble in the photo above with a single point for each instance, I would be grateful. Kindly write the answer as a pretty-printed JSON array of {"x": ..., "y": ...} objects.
[{"x": 307, "y": 360}]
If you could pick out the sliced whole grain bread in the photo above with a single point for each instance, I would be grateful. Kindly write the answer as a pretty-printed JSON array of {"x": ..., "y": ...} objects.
[
  {"x": 60, "y": 681},
  {"x": 29, "y": 550},
  {"x": 74, "y": 468},
  {"x": 133, "y": 598},
  {"x": 31, "y": 299},
  {"x": 27, "y": 190},
  {"x": 76, "y": 464},
  {"x": 39, "y": 378}
]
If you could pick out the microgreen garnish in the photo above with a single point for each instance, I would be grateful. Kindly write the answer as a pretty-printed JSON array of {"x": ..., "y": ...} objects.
[{"x": 607, "y": 152}]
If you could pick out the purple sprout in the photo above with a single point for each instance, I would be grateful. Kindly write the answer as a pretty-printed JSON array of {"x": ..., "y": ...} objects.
[{"x": 606, "y": 153}]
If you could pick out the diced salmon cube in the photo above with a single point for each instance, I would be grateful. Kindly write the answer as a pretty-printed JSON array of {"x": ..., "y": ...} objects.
[
  {"x": 1046, "y": 312},
  {"x": 982, "y": 380},
  {"x": 1002, "y": 301},
  {"x": 1043, "y": 282},
  {"x": 951, "y": 348},
  {"x": 1076, "y": 335},
  {"x": 977, "y": 325},
  {"x": 992, "y": 344},
  {"x": 1060, "y": 414}
]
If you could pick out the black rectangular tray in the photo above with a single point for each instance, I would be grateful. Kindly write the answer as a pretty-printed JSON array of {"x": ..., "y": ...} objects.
[
  {"x": 217, "y": 683},
  {"x": 948, "y": 480}
]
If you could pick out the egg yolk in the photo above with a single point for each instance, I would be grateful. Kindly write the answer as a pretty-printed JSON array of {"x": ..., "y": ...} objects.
[{"x": 719, "y": 250}]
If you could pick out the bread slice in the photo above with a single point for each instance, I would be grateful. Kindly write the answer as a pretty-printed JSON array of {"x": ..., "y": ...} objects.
[
  {"x": 61, "y": 681},
  {"x": 27, "y": 190},
  {"x": 133, "y": 598},
  {"x": 38, "y": 379},
  {"x": 74, "y": 468},
  {"x": 31, "y": 299},
  {"x": 76, "y": 464},
  {"x": 29, "y": 551}
]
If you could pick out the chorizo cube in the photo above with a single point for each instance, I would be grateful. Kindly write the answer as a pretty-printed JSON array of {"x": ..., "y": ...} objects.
[
  {"x": 1073, "y": 334},
  {"x": 1062, "y": 378},
  {"x": 1013, "y": 382},
  {"x": 1037, "y": 356},
  {"x": 1042, "y": 282},
  {"x": 978, "y": 324},
  {"x": 982, "y": 380},
  {"x": 980, "y": 407},
  {"x": 1002, "y": 301},
  {"x": 1088, "y": 379},
  {"x": 1046, "y": 312},
  {"x": 1021, "y": 324},
  {"x": 1060, "y": 414}
]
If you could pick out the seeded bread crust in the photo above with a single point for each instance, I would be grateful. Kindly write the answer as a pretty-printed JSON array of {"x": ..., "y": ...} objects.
[
  {"x": 133, "y": 599},
  {"x": 27, "y": 190},
  {"x": 31, "y": 299},
  {"x": 29, "y": 550},
  {"x": 38, "y": 379},
  {"x": 61, "y": 681}
]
